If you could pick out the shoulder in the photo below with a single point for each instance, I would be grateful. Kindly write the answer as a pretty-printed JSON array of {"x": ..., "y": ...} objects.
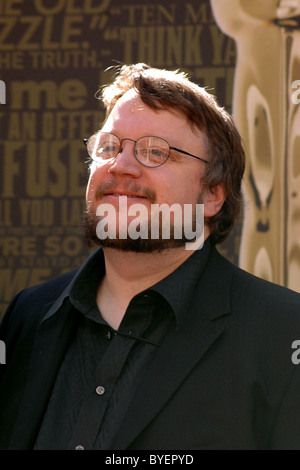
[
  {"x": 46, "y": 292},
  {"x": 263, "y": 291},
  {"x": 30, "y": 304},
  {"x": 249, "y": 292},
  {"x": 249, "y": 283}
]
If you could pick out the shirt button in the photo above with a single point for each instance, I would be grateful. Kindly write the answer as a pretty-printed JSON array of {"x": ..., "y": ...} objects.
[
  {"x": 108, "y": 334},
  {"x": 79, "y": 447},
  {"x": 100, "y": 390}
]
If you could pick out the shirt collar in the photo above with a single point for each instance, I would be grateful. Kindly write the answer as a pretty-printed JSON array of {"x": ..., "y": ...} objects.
[
  {"x": 177, "y": 288},
  {"x": 93, "y": 269}
]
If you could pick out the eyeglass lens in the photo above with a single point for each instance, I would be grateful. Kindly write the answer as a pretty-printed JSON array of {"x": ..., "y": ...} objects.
[{"x": 150, "y": 151}]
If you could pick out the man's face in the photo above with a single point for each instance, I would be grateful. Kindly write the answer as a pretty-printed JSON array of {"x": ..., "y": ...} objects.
[{"x": 176, "y": 181}]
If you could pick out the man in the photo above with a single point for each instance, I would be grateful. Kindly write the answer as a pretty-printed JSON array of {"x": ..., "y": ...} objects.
[{"x": 151, "y": 345}]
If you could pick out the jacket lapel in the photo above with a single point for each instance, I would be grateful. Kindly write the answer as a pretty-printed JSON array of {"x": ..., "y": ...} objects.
[
  {"x": 181, "y": 350},
  {"x": 52, "y": 339},
  {"x": 177, "y": 356}
]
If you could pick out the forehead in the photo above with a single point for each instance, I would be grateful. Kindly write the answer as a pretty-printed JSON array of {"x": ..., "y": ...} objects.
[{"x": 131, "y": 117}]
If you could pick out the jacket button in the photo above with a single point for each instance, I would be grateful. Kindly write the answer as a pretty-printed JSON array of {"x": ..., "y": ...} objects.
[{"x": 100, "y": 390}]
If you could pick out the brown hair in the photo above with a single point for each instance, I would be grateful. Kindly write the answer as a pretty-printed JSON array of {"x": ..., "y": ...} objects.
[{"x": 163, "y": 89}]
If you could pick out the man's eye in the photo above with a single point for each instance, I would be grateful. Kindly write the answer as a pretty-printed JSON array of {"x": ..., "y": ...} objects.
[
  {"x": 158, "y": 154},
  {"x": 107, "y": 149}
]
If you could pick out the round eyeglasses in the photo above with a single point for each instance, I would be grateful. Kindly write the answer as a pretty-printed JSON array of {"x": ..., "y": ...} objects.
[{"x": 150, "y": 151}]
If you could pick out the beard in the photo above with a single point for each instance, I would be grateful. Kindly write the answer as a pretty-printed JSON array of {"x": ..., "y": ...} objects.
[{"x": 140, "y": 244}]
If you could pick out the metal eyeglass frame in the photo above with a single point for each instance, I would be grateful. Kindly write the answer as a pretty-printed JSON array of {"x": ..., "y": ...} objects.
[{"x": 85, "y": 141}]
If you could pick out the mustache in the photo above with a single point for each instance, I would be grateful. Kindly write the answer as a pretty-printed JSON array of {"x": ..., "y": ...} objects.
[{"x": 132, "y": 186}]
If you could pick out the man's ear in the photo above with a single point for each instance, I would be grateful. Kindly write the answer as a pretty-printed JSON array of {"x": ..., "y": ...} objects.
[{"x": 214, "y": 199}]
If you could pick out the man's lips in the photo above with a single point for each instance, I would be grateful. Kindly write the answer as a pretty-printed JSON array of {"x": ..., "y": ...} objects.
[
  {"x": 109, "y": 190},
  {"x": 129, "y": 194}
]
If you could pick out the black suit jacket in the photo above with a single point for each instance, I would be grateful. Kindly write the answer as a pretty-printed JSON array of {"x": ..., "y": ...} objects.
[{"x": 223, "y": 380}]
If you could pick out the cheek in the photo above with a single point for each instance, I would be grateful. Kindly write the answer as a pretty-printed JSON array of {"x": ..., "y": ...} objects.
[
  {"x": 90, "y": 189},
  {"x": 184, "y": 188}
]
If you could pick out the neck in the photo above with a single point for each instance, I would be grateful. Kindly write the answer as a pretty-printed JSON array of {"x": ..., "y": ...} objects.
[
  {"x": 128, "y": 273},
  {"x": 138, "y": 271}
]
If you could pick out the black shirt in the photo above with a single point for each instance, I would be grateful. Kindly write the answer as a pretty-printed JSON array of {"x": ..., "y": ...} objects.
[{"x": 102, "y": 367}]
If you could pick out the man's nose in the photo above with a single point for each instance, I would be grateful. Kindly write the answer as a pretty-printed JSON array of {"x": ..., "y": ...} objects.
[{"x": 125, "y": 162}]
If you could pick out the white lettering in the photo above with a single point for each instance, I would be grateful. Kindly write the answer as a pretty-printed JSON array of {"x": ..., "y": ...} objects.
[
  {"x": 296, "y": 94},
  {"x": 2, "y": 92},
  {"x": 295, "y": 356},
  {"x": 2, "y": 352},
  {"x": 160, "y": 219},
  {"x": 168, "y": 459}
]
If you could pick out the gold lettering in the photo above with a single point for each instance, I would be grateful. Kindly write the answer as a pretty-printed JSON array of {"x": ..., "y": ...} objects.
[
  {"x": 8, "y": 26},
  {"x": 218, "y": 42},
  {"x": 14, "y": 129},
  {"x": 33, "y": 24},
  {"x": 71, "y": 94},
  {"x": 37, "y": 169},
  {"x": 12, "y": 281},
  {"x": 230, "y": 52},
  {"x": 57, "y": 188},
  {"x": 47, "y": 31},
  {"x": 52, "y": 246},
  {"x": 29, "y": 246},
  {"x": 164, "y": 14},
  {"x": 146, "y": 43},
  {"x": 16, "y": 246},
  {"x": 10, "y": 9},
  {"x": 128, "y": 36},
  {"x": 11, "y": 167},
  {"x": 160, "y": 52},
  {"x": 91, "y": 10},
  {"x": 202, "y": 15},
  {"x": 210, "y": 76},
  {"x": 77, "y": 186},
  {"x": 164, "y": 45},
  {"x": 47, "y": 125},
  {"x": 71, "y": 210},
  {"x": 36, "y": 212},
  {"x": 148, "y": 17},
  {"x": 69, "y": 31},
  {"x": 174, "y": 45},
  {"x": 71, "y": 9},
  {"x": 5, "y": 213},
  {"x": 33, "y": 90},
  {"x": 38, "y": 276},
  {"x": 192, "y": 55},
  {"x": 22, "y": 126},
  {"x": 39, "y": 5}
]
